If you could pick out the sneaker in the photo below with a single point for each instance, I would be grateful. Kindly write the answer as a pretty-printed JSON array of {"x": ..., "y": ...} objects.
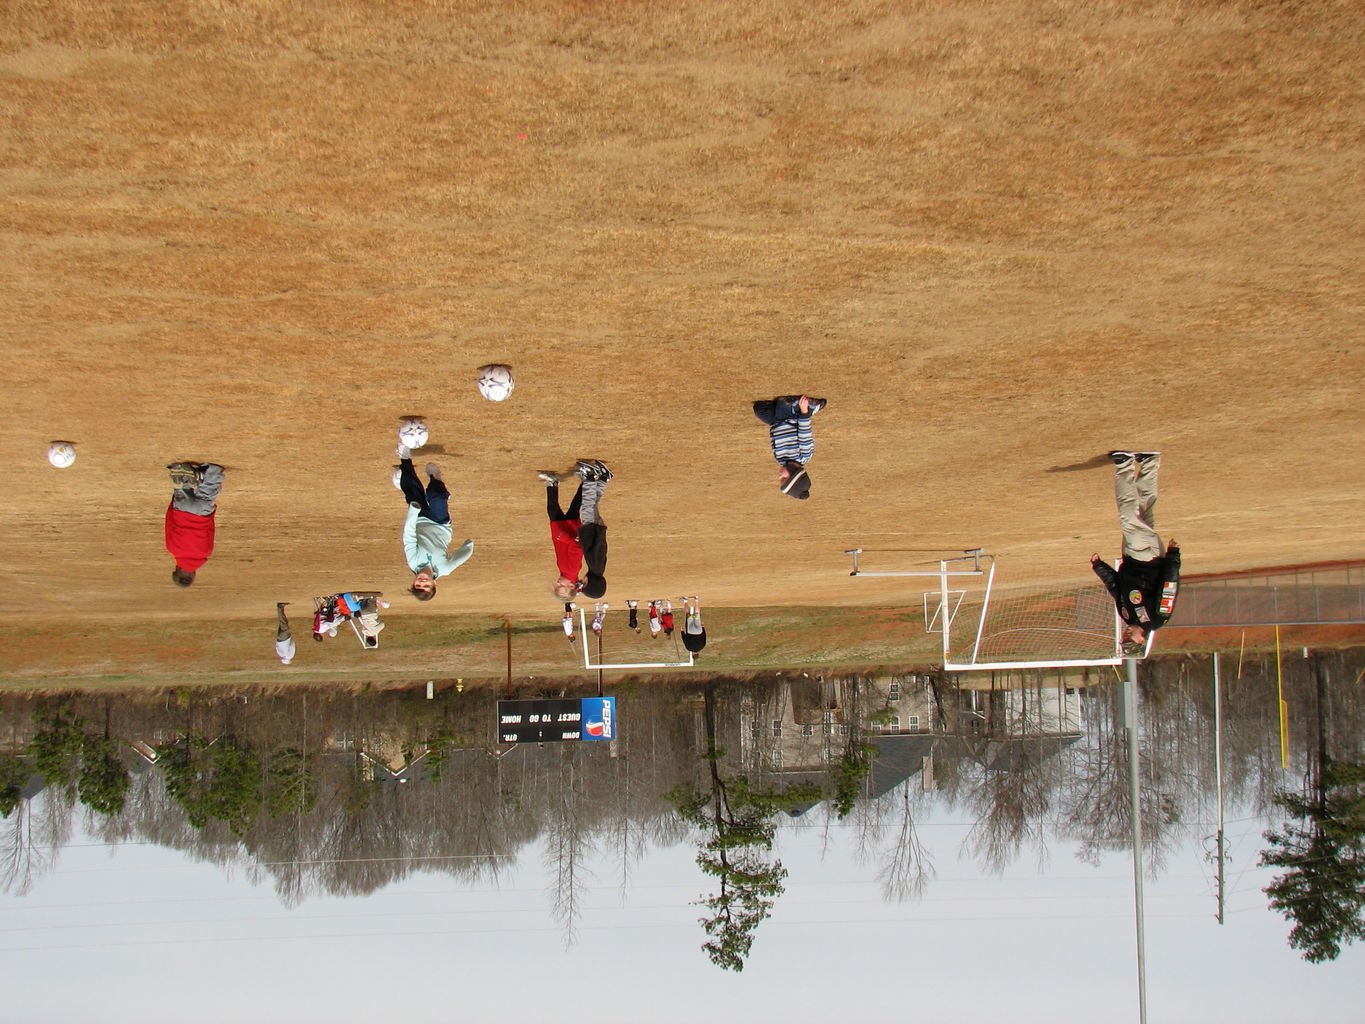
[
  {"x": 404, "y": 453},
  {"x": 585, "y": 470},
  {"x": 603, "y": 473},
  {"x": 434, "y": 471},
  {"x": 1120, "y": 458},
  {"x": 816, "y": 404},
  {"x": 548, "y": 478},
  {"x": 1145, "y": 456}
]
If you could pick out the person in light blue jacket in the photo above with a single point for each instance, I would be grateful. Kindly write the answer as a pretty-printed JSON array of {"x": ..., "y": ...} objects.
[{"x": 426, "y": 530}]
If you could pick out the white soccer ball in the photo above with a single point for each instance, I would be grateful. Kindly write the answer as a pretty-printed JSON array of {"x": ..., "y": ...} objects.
[
  {"x": 398, "y": 477},
  {"x": 495, "y": 382},
  {"x": 61, "y": 454},
  {"x": 413, "y": 433}
]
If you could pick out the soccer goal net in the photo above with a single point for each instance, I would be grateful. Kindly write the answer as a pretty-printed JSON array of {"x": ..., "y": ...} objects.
[{"x": 989, "y": 627}]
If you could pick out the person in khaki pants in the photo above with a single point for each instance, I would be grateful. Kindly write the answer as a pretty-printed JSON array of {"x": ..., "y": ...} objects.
[{"x": 1145, "y": 585}]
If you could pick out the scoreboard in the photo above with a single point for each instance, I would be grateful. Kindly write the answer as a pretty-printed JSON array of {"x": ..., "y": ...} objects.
[{"x": 553, "y": 721}]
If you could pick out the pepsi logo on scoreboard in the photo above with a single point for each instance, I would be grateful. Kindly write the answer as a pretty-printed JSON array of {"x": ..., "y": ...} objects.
[{"x": 599, "y": 718}]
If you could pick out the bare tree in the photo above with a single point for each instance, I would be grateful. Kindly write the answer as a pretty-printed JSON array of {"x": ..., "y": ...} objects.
[
  {"x": 907, "y": 870},
  {"x": 567, "y": 844}
]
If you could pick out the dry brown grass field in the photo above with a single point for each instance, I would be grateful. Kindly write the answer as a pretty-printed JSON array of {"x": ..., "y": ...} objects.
[{"x": 999, "y": 238}]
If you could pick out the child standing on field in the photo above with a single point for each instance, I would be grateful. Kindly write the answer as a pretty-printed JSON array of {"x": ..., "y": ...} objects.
[
  {"x": 190, "y": 516},
  {"x": 599, "y": 613},
  {"x": 694, "y": 634},
  {"x": 634, "y": 607},
  {"x": 654, "y": 620},
  {"x": 667, "y": 617},
  {"x": 284, "y": 640}
]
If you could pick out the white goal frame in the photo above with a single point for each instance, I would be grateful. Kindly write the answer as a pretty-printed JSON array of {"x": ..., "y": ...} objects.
[
  {"x": 601, "y": 666},
  {"x": 944, "y": 613}
]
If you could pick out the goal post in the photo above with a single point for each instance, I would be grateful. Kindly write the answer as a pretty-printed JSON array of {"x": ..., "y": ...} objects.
[
  {"x": 586, "y": 635},
  {"x": 986, "y": 627}
]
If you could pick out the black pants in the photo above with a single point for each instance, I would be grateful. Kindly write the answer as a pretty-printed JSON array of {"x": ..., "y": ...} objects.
[
  {"x": 552, "y": 504},
  {"x": 592, "y": 537},
  {"x": 778, "y": 410},
  {"x": 434, "y": 499}
]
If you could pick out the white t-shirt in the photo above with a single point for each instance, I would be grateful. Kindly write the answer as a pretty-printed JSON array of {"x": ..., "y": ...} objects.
[{"x": 285, "y": 649}]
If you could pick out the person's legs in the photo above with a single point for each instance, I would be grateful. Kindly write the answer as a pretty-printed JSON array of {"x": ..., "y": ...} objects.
[
  {"x": 589, "y": 495},
  {"x": 199, "y": 499},
  {"x": 207, "y": 489},
  {"x": 1146, "y": 488},
  {"x": 438, "y": 501},
  {"x": 282, "y": 623},
  {"x": 552, "y": 508},
  {"x": 593, "y": 537},
  {"x": 1140, "y": 540},
  {"x": 412, "y": 487},
  {"x": 576, "y": 505},
  {"x": 777, "y": 410}
]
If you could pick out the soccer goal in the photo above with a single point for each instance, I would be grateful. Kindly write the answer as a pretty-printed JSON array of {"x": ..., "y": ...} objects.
[
  {"x": 986, "y": 627},
  {"x": 590, "y": 644}
]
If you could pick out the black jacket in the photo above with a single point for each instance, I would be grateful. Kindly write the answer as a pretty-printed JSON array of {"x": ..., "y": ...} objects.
[{"x": 1144, "y": 592}]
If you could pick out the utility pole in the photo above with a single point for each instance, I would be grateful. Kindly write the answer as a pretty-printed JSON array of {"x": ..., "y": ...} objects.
[
  {"x": 1130, "y": 718},
  {"x": 1218, "y": 770}
]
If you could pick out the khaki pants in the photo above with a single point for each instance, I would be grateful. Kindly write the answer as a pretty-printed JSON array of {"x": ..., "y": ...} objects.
[{"x": 1135, "y": 490}]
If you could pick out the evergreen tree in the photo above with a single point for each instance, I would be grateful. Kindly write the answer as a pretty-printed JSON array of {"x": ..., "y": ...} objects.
[
  {"x": 1322, "y": 847},
  {"x": 737, "y": 828},
  {"x": 103, "y": 780},
  {"x": 56, "y": 747}
]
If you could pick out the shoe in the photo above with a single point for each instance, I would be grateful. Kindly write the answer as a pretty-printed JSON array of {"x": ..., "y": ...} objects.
[
  {"x": 434, "y": 471},
  {"x": 1120, "y": 458},
  {"x": 281, "y": 604},
  {"x": 603, "y": 473},
  {"x": 1145, "y": 456},
  {"x": 404, "y": 453},
  {"x": 548, "y": 478},
  {"x": 585, "y": 470},
  {"x": 816, "y": 404},
  {"x": 632, "y": 604},
  {"x": 187, "y": 467}
]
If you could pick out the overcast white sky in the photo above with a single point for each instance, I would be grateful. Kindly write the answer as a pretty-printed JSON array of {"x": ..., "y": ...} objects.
[{"x": 121, "y": 934}]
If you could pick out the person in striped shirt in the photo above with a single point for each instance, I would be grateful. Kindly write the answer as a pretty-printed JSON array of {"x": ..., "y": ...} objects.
[{"x": 788, "y": 420}]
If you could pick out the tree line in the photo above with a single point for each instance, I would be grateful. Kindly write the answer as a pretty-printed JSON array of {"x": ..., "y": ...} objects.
[{"x": 345, "y": 793}]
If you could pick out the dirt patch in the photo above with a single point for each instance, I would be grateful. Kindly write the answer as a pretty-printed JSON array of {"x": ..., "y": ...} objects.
[{"x": 999, "y": 241}]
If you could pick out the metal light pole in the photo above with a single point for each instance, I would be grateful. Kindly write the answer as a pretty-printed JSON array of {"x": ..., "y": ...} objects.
[
  {"x": 1131, "y": 728},
  {"x": 1218, "y": 769}
]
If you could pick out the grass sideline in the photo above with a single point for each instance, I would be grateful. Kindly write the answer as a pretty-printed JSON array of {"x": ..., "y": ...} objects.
[{"x": 121, "y": 655}]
